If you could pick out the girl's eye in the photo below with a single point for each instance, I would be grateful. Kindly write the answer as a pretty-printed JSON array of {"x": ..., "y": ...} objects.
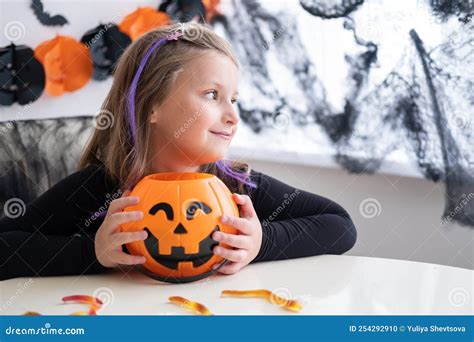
[{"x": 213, "y": 93}]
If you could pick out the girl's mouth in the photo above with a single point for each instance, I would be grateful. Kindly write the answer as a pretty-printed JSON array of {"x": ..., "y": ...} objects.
[{"x": 223, "y": 135}]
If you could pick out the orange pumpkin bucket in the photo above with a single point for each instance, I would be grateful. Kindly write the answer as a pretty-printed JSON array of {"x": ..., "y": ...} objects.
[{"x": 181, "y": 211}]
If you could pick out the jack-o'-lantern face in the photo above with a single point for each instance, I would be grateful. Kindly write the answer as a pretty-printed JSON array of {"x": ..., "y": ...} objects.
[
  {"x": 181, "y": 211},
  {"x": 178, "y": 253}
]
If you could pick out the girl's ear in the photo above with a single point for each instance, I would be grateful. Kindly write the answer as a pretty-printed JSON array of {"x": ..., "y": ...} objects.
[{"x": 154, "y": 115}]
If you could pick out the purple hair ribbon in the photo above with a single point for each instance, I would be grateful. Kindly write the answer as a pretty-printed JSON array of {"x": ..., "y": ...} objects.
[
  {"x": 133, "y": 87},
  {"x": 241, "y": 177}
]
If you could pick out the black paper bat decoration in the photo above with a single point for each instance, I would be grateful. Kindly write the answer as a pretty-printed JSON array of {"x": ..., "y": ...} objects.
[{"x": 44, "y": 17}]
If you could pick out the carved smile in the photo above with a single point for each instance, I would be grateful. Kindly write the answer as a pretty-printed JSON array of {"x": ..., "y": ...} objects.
[{"x": 177, "y": 253}]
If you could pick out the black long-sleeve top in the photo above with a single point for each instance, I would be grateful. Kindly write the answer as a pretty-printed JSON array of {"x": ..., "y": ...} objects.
[{"x": 55, "y": 235}]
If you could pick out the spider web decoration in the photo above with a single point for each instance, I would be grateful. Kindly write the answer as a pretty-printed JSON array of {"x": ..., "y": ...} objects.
[{"x": 425, "y": 103}]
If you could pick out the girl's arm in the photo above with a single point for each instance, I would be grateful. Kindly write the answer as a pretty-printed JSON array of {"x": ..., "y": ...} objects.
[
  {"x": 24, "y": 254},
  {"x": 296, "y": 223},
  {"x": 55, "y": 235}
]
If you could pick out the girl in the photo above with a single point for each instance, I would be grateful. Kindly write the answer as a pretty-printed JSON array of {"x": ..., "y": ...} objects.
[{"x": 171, "y": 109}]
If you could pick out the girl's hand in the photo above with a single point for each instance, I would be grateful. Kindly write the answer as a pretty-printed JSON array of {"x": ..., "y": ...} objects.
[
  {"x": 109, "y": 239},
  {"x": 247, "y": 244}
]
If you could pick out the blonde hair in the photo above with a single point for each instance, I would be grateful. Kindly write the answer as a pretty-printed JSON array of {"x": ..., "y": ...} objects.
[{"x": 113, "y": 146}]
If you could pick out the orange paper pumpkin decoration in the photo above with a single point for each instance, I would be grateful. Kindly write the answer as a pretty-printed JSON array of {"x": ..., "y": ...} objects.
[
  {"x": 211, "y": 9},
  {"x": 67, "y": 64},
  {"x": 142, "y": 20},
  {"x": 181, "y": 211}
]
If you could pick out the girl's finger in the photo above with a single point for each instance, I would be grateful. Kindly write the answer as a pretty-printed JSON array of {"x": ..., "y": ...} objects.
[
  {"x": 127, "y": 259},
  {"x": 237, "y": 241},
  {"x": 246, "y": 207},
  {"x": 120, "y": 239},
  {"x": 230, "y": 268},
  {"x": 120, "y": 203},
  {"x": 115, "y": 220},
  {"x": 216, "y": 266},
  {"x": 237, "y": 255},
  {"x": 241, "y": 224}
]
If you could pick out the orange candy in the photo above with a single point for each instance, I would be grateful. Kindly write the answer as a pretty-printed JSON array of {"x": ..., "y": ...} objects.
[
  {"x": 93, "y": 302},
  {"x": 190, "y": 305},
  {"x": 288, "y": 304}
]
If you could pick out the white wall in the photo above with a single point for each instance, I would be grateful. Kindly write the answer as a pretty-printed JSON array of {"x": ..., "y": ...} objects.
[{"x": 409, "y": 223}]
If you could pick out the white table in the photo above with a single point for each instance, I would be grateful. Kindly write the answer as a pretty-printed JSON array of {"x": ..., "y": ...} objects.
[{"x": 325, "y": 285}]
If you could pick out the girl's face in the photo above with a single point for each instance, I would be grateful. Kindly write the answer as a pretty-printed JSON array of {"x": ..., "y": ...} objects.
[{"x": 197, "y": 121}]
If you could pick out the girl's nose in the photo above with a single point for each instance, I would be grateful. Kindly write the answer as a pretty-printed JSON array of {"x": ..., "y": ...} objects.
[
  {"x": 233, "y": 121},
  {"x": 231, "y": 116}
]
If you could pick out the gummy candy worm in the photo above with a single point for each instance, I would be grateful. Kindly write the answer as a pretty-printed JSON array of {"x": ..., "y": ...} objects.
[
  {"x": 190, "y": 305},
  {"x": 95, "y": 304},
  {"x": 288, "y": 304}
]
